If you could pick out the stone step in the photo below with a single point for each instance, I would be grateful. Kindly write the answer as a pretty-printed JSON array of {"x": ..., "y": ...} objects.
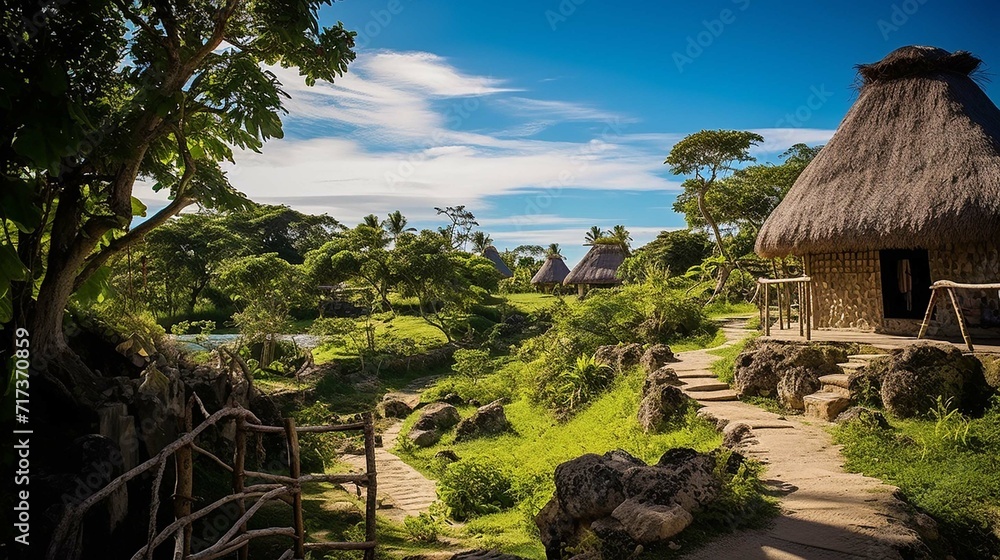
[
  {"x": 865, "y": 357},
  {"x": 825, "y": 405},
  {"x": 707, "y": 387},
  {"x": 840, "y": 380},
  {"x": 696, "y": 375},
  {"x": 846, "y": 393},
  {"x": 716, "y": 396}
]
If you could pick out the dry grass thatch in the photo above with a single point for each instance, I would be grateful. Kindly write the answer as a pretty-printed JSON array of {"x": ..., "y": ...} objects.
[
  {"x": 915, "y": 163},
  {"x": 554, "y": 271},
  {"x": 492, "y": 254},
  {"x": 598, "y": 266}
]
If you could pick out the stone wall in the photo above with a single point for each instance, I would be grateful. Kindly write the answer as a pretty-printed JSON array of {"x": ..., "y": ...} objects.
[
  {"x": 978, "y": 264},
  {"x": 846, "y": 290}
]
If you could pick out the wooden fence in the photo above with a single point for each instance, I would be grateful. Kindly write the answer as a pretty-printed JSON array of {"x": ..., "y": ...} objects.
[
  {"x": 785, "y": 299},
  {"x": 248, "y": 494},
  {"x": 949, "y": 287}
]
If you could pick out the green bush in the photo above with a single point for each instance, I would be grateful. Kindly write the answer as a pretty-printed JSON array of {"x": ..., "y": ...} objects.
[
  {"x": 575, "y": 386},
  {"x": 476, "y": 486},
  {"x": 422, "y": 528}
]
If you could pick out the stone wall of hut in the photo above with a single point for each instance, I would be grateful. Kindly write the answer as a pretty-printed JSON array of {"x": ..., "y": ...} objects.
[
  {"x": 975, "y": 264},
  {"x": 846, "y": 290}
]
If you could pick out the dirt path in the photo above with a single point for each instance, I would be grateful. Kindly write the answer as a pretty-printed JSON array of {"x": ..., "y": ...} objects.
[
  {"x": 826, "y": 512},
  {"x": 402, "y": 490}
]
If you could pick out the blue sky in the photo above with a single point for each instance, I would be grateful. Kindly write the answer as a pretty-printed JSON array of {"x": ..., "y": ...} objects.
[{"x": 546, "y": 117}]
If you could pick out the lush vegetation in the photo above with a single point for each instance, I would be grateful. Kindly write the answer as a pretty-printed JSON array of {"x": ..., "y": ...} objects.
[{"x": 945, "y": 464}]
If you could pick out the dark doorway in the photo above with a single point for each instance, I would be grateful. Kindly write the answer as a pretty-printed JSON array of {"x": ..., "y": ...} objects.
[{"x": 906, "y": 283}]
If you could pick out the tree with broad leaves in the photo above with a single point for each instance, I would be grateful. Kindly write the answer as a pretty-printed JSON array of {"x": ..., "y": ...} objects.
[
  {"x": 397, "y": 224},
  {"x": 480, "y": 241},
  {"x": 710, "y": 156},
  {"x": 108, "y": 92}
]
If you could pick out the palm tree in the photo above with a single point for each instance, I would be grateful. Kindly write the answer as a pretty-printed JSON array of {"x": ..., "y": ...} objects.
[
  {"x": 372, "y": 221},
  {"x": 621, "y": 236},
  {"x": 593, "y": 235},
  {"x": 396, "y": 224},
  {"x": 554, "y": 251},
  {"x": 480, "y": 241}
]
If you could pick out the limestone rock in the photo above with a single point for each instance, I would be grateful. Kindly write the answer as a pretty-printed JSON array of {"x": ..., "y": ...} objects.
[
  {"x": 590, "y": 486},
  {"x": 760, "y": 367},
  {"x": 736, "y": 434},
  {"x": 795, "y": 384},
  {"x": 865, "y": 415},
  {"x": 424, "y": 438},
  {"x": 393, "y": 408},
  {"x": 555, "y": 527},
  {"x": 489, "y": 420},
  {"x": 660, "y": 406},
  {"x": 651, "y": 523},
  {"x": 690, "y": 484},
  {"x": 918, "y": 375},
  {"x": 655, "y": 357},
  {"x": 437, "y": 416},
  {"x": 661, "y": 376}
]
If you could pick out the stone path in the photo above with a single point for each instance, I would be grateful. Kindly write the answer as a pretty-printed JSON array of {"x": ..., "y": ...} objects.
[
  {"x": 826, "y": 512},
  {"x": 402, "y": 490}
]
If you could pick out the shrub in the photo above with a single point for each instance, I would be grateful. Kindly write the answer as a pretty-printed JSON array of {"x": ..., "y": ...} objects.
[
  {"x": 472, "y": 363},
  {"x": 422, "y": 528},
  {"x": 576, "y": 386},
  {"x": 475, "y": 486}
]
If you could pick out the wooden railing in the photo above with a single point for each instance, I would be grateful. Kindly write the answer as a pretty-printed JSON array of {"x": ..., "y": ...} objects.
[
  {"x": 274, "y": 487},
  {"x": 784, "y": 300},
  {"x": 949, "y": 287}
]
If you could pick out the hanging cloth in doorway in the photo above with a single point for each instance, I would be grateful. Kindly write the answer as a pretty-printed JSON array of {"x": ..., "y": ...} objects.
[{"x": 905, "y": 280}]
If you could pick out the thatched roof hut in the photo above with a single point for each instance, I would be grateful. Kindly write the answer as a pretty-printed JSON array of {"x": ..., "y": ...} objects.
[
  {"x": 907, "y": 192},
  {"x": 553, "y": 271},
  {"x": 494, "y": 255},
  {"x": 915, "y": 163},
  {"x": 598, "y": 267}
]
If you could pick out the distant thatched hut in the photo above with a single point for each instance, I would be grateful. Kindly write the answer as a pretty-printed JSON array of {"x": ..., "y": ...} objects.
[
  {"x": 552, "y": 273},
  {"x": 492, "y": 254},
  {"x": 597, "y": 268},
  {"x": 907, "y": 192}
]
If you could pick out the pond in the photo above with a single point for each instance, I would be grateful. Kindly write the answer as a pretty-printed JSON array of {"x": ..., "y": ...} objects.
[{"x": 200, "y": 343}]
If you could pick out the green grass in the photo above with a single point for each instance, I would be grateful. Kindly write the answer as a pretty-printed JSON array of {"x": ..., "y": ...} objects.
[
  {"x": 699, "y": 342},
  {"x": 424, "y": 336},
  {"x": 533, "y": 302},
  {"x": 954, "y": 478},
  {"x": 725, "y": 367},
  {"x": 539, "y": 443},
  {"x": 721, "y": 309}
]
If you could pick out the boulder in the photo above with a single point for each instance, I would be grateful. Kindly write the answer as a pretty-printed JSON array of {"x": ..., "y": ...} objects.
[
  {"x": 919, "y": 375},
  {"x": 590, "y": 486},
  {"x": 607, "y": 355},
  {"x": 660, "y": 406},
  {"x": 647, "y": 523},
  {"x": 761, "y": 365},
  {"x": 736, "y": 434},
  {"x": 437, "y": 416},
  {"x": 555, "y": 528},
  {"x": 661, "y": 376},
  {"x": 391, "y": 407},
  {"x": 615, "y": 539},
  {"x": 655, "y": 357},
  {"x": 453, "y": 399},
  {"x": 619, "y": 356},
  {"x": 424, "y": 438},
  {"x": 488, "y": 420},
  {"x": 795, "y": 384},
  {"x": 447, "y": 455},
  {"x": 690, "y": 484},
  {"x": 867, "y": 416}
]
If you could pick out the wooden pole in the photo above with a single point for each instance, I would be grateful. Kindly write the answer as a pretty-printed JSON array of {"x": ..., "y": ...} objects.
[
  {"x": 184, "y": 485},
  {"x": 294, "y": 471},
  {"x": 809, "y": 310},
  {"x": 239, "y": 476},
  {"x": 802, "y": 327},
  {"x": 927, "y": 316},
  {"x": 767, "y": 310},
  {"x": 371, "y": 504},
  {"x": 961, "y": 319},
  {"x": 777, "y": 295}
]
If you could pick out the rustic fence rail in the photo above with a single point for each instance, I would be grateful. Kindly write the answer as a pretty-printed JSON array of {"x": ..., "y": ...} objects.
[
  {"x": 949, "y": 287},
  {"x": 249, "y": 498},
  {"x": 784, "y": 297}
]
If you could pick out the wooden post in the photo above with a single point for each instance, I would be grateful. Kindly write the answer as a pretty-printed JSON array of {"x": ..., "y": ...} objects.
[
  {"x": 809, "y": 309},
  {"x": 777, "y": 295},
  {"x": 294, "y": 471},
  {"x": 767, "y": 310},
  {"x": 239, "y": 475},
  {"x": 961, "y": 319},
  {"x": 184, "y": 485},
  {"x": 927, "y": 316},
  {"x": 802, "y": 327},
  {"x": 371, "y": 504}
]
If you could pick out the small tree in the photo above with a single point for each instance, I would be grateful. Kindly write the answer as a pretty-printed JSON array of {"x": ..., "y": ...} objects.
[
  {"x": 459, "y": 230},
  {"x": 593, "y": 235}
]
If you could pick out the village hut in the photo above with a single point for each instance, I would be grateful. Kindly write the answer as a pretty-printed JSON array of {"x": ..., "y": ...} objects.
[
  {"x": 552, "y": 273},
  {"x": 492, "y": 254},
  {"x": 598, "y": 268},
  {"x": 906, "y": 193}
]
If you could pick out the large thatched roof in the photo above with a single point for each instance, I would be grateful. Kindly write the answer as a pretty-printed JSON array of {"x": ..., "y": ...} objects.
[
  {"x": 554, "y": 271},
  {"x": 492, "y": 254},
  {"x": 598, "y": 266},
  {"x": 915, "y": 163}
]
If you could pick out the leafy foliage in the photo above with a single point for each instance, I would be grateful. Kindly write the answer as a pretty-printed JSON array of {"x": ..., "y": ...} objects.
[{"x": 476, "y": 486}]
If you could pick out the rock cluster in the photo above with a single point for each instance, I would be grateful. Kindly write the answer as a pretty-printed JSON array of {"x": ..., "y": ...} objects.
[
  {"x": 787, "y": 371},
  {"x": 488, "y": 420},
  {"x": 913, "y": 378},
  {"x": 625, "y": 502},
  {"x": 391, "y": 407},
  {"x": 619, "y": 356},
  {"x": 439, "y": 417}
]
